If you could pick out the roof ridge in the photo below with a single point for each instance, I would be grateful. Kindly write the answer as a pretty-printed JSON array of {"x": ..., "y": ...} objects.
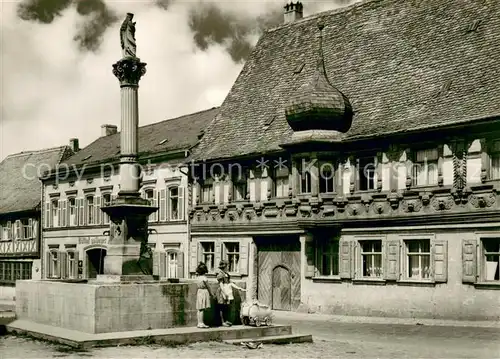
[
  {"x": 166, "y": 120},
  {"x": 339, "y": 10},
  {"x": 31, "y": 152}
]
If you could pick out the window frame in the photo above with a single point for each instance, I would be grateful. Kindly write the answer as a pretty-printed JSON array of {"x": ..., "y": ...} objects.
[
  {"x": 304, "y": 175},
  {"x": 407, "y": 255},
  {"x": 322, "y": 179},
  {"x": 105, "y": 217},
  {"x": 225, "y": 255},
  {"x": 24, "y": 267},
  {"x": 494, "y": 155},
  {"x": 202, "y": 253},
  {"x": 208, "y": 185},
  {"x": 54, "y": 263},
  {"x": 54, "y": 212},
  {"x": 360, "y": 173},
  {"x": 75, "y": 206},
  {"x": 426, "y": 163},
  {"x": 319, "y": 253},
  {"x": 360, "y": 253},
  {"x": 482, "y": 260},
  {"x": 278, "y": 180},
  {"x": 240, "y": 186},
  {"x": 87, "y": 222}
]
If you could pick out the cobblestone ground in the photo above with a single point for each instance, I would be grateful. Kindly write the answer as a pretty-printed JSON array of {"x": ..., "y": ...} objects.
[{"x": 367, "y": 341}]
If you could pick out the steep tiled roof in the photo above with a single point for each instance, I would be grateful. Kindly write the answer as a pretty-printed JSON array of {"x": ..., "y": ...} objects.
[
  {"x": 403, "y": 65},
  {"x": 179, "y": 133},
  {"x": 20, "y": 187}
]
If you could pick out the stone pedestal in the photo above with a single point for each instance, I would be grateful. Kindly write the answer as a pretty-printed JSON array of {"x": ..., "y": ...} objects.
[{"x": 127, "y": 248}]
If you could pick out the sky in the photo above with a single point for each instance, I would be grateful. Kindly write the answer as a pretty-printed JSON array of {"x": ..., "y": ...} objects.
[{"x": 57, "y": 55}]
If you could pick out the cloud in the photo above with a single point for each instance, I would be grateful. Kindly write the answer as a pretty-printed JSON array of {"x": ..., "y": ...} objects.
[{"x": 56, "y": 80}]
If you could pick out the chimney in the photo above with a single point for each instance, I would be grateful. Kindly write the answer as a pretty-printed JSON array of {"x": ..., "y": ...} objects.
[
  {"x": 73, "y": 143},
  {"x": 293, "y": 12},
  {"x": 108, "y": 130}
]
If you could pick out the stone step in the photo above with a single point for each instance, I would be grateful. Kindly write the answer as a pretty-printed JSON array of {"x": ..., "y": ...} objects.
[
  {"x": 169, "y": 336},
  {"x": 274, "y": 339}
]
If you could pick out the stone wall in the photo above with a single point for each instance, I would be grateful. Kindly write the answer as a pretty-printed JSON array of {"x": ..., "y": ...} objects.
[
  {"x": 452, "y": 300},
  {"x": 104, "y": 308}
]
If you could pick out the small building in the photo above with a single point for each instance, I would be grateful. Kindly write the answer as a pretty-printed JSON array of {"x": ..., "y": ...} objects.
[
  {"x": 20, "y": 190},
  {"x": 76, "y": 231},
  {"x": 354, "y": 167}
]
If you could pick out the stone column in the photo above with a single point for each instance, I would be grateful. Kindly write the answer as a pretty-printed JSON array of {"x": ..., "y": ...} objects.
[
  {"x": 129, "y": 71},
  {"x": 128, "y": 255}
]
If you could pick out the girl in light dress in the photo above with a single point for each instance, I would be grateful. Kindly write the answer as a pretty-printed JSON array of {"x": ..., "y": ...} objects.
[{"x": 203, "y": 294}]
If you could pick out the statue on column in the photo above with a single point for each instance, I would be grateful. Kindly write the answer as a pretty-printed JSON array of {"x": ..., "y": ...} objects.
[{"x": 127, "y": 37}]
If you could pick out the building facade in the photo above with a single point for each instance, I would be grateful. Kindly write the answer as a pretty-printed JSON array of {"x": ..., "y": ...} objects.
[
  {"x": 20, "y": 214},
  {"x": 76, "y": 231},
  {"x": 354, "y": 166}
]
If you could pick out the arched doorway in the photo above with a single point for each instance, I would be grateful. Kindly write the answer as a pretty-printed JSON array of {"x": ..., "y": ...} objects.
[
  {"x": 95, "y": 262},
  {"x": 282, "y": 288}
]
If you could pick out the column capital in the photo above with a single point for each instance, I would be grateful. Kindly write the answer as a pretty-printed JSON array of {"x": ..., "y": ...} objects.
[{"x": 129, "y": 71}]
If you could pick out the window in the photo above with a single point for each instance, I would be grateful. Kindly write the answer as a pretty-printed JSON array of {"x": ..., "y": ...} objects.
[
  {"x": 240, "y": 186},
  {"x": 172, "y": 264},
  {"x": 425, "y": 168},
  {"x": 10, "y": 271},
  {"x": 371, "y": 258},
  {"x": 4, "y": 234},
  {"x": 106, "y": 198},
  {"x": 281, "y": 182},
  {"x": 491, "y": 256},
  {"x": 418, "y": 259},
  {"x": 495, "y": 165},
  {"x": 173, "y": 198},
  {"x": 53, "y": 264},
  {"x": 72, "y": 212},
  {"x": 150, "y": 195},
  {"x": 328, "y": 257},
  {"x": 232, "y": 255},
  {"x": 72, "y": 265},
  {"x": 206, "y": 192},
  {"x": 366, "y": 173},
  {"x": 326, "y": 177},
  {"x": 55, "y": 213},
  {"x": 27, "y": 228},
  {"x": 305, "y": 176},
  {"x": 208, "y": 255},
  {"x": 90, "y": 209},
  {"x": 18, "y": 229},
  {"x": 8, "y": 231}
]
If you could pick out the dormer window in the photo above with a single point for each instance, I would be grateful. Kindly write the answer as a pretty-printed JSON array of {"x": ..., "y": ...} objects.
[{"x": 206, "y": 191}]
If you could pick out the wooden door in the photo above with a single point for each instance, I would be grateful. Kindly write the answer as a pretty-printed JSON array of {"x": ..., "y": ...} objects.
[
  {"x": 282, "y": 289},
  {"x": 279, "y": 262}
]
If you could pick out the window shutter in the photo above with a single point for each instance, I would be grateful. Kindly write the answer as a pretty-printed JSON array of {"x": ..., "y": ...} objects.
[
  {"x": 243, "y": 262},
  {"x": 180, "y": 264},
  {"x": 81, "y": 215},
  {"x": 358, "y": 263},
  {"x": 9, "y": 230},
  {"x": 47, "y": 215},
  {"x": 64, "y": 218},
  {"x": 345, "y": 259},
  {"x": 219, "y": 253},
  {"x": 57, "y": 274},
  {"x": 469, "y": 260},
  {"x": 163, "y": 205},
  {"x": 98, "y": 212},
  {"x": 154, "y": 215},
  {"x": 181, "y": 203},
  {"x": 440, "y": 259},
  {"x": 163, "y": 265},
  {"x": 30, "y": 228},
  {"x": 35, "y": 228},
  {"x": 63, "y": 265},
  {"x": 68, "y": 215},
  {"x": 392, "y": 258},
  {"x": 17, "y": 232},
  {"x": 59, "y": 213},
  {"x": 48, "y": 272},
  {"x": 309, "y": 262},
  {"x": 193, "y": 256},
  {"x": 75, "y": 265},
  {"x": 156, "y": 263}
]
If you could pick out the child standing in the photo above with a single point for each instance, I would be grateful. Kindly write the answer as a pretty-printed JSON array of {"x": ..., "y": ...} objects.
[
  {"x": 202, "y": 294},
  {"x": 227, "y": 290}
]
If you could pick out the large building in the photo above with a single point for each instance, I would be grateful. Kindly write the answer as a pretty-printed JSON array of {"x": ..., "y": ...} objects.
[
  {"x": 354, "y": 166},
  {"x": 76, "y": 231},
  {"x": 20, "y": 214}
]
